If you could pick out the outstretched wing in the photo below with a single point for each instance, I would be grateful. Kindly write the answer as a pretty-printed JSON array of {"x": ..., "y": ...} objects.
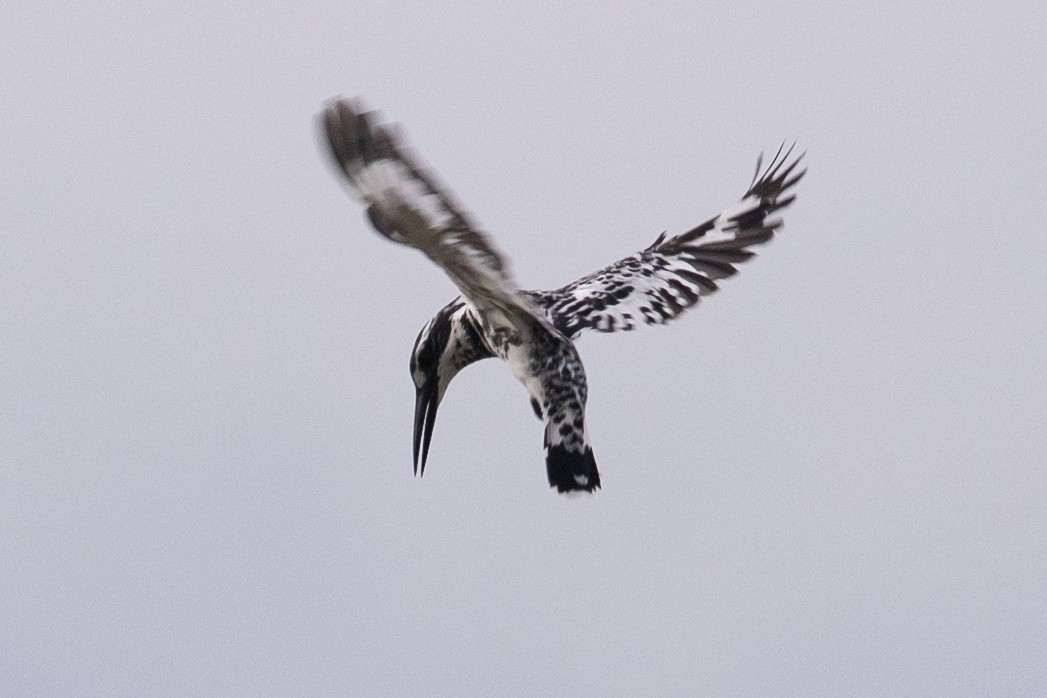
[
  {"x": 406, "y": 204},
  {"x": 672, "y": 275}
]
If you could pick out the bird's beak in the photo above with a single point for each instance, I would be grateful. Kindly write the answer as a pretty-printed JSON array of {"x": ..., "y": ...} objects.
[{"x": 425, "y": 404}]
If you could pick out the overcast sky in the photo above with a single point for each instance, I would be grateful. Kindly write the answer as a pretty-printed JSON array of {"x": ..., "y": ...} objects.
[{"x": 829, "y": 479}]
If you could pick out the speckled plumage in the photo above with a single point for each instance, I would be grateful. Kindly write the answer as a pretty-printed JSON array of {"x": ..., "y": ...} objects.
[{"x": 533, "y": 330}]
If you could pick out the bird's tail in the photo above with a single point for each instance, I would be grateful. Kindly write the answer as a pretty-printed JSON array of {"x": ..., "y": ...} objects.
[{"x": 572, "y": 471}]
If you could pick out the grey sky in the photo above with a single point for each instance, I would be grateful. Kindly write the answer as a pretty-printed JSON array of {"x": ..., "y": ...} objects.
[{"x": 827, "y": 480}]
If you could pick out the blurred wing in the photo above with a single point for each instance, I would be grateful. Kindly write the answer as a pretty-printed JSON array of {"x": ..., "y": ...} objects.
[
  {"x": 406, "y": 204},
  {"x": 672, "y": 275}
]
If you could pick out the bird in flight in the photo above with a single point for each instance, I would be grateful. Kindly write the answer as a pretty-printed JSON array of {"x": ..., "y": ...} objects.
[{"x": 533, "y": 331}]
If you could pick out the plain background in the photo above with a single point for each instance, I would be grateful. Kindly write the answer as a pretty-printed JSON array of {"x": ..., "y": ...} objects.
[{"x": 827, "y": 480}]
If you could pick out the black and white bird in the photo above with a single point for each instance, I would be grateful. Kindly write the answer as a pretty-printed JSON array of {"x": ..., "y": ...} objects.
[{"x": 533, "y": 330}]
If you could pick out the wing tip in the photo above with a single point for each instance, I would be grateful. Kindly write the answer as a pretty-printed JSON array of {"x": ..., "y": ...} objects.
[
  {"x": 352, "y": 132},
  {"x": 775, "y": 178}
]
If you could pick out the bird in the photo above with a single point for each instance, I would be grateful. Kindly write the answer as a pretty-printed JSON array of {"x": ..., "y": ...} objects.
[{"x": 534, "y": 331}]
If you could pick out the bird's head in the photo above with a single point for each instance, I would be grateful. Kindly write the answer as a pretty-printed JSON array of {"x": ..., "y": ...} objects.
[{"x": 434, "y": 362}]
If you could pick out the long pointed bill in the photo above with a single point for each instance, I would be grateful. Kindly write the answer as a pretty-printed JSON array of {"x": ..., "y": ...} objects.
[{"x": 425, "y": 404}]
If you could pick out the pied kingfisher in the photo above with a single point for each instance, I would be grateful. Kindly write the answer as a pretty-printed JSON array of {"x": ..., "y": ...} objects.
[{"x": 533, "y": 330}]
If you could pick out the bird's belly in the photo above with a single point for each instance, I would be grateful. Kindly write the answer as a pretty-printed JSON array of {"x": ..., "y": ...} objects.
[{"x": 518, "y": 356}]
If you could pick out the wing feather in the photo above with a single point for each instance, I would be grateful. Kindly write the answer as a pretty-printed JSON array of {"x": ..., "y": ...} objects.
[
  {"x": 662, "y": 282},
  {"x": 407, "y": 204}
]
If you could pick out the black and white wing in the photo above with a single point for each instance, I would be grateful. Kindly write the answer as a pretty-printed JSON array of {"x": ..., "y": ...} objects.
[
  {"x": 659, "y": 283},
  {"x": 406, "y": 204}
]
